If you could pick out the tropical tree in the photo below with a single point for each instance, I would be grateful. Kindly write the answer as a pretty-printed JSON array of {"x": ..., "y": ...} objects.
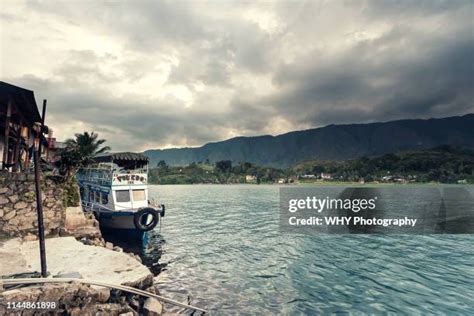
[
  {"x": 161, "y": 164},
  {"x": 224, "y": 165},
  {"x": 79, "y": 152}
]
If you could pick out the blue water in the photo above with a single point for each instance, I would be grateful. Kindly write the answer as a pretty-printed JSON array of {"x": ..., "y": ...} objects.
[{"x": 220, "y": 248}]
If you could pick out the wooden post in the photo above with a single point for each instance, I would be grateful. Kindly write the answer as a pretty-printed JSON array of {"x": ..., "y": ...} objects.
[
  {"x": 39, "y": 199},
  {"x": 16, "y": 156},
  {"x": 39, "y": 202},
  {"x": 27, "y": 158},
  {"x": 7, "y": 133},
  {"x": 42, "y": 125}
]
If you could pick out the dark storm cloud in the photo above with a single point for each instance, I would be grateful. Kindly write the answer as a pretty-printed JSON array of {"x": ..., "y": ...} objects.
[
  {"x": 123, "y": 118},
  {"x": 395, "y": 8},
  {"x": 371, "y": 82},
  {"x": 236, "y": 68}
]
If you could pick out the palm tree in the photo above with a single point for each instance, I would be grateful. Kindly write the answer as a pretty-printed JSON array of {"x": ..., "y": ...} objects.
[{"x": 79, "y": 152}]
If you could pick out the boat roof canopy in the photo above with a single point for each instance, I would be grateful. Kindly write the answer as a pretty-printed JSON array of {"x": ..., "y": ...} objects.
[{"x": 123, "y": 159}]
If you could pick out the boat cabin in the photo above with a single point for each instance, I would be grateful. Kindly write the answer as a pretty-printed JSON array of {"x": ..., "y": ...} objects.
[{"x": 115, "y": 182}]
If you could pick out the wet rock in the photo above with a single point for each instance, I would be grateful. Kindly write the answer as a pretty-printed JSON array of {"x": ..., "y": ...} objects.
[
  {"x": 152, "y": 307},
  {"x": 134, "y": 302}
]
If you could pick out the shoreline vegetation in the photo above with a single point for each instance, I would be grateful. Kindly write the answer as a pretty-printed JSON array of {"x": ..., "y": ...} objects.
[{"x": 443, "y": 164}]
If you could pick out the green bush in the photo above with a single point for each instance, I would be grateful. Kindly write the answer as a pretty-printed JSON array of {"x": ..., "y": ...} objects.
[{"x": 70, "y": 194}]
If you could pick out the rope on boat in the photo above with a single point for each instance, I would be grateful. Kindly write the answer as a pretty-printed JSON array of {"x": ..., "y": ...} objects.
[{"x": 98, "y": 283}]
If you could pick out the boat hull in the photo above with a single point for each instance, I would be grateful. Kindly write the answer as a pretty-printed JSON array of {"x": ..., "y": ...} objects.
[
  {"x": 121, "y": 224},
  {"x": 142, "y": 220},
  {"x": 119, "y": 220},
  {"x": 124, "y": 234}
]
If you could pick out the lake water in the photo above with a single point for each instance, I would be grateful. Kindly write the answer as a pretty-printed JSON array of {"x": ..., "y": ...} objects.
[{"x": 220, "y": 248}]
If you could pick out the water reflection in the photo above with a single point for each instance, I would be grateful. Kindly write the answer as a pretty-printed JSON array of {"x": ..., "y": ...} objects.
[{"x": 149, "y": 248}]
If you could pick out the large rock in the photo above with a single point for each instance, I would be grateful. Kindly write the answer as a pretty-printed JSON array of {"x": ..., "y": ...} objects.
[{"x": 152, "y": 307}]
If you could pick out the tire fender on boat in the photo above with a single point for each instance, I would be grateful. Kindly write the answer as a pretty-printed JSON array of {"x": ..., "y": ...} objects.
[
  {"x": 140, "y": 219},
  {"x": 162, "y": 212}
]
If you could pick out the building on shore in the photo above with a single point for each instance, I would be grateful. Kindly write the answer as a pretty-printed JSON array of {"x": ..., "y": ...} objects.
[
  {"x": 326, "y": 176},
  {"x": 18, "y": 114},
  {"x": 250, "y": 178},
  {"x": 54, "y": 147}
]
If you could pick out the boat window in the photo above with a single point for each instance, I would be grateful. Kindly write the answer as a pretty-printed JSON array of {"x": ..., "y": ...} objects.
[
  {"x": 122, "y": 196},
  {"x": 139, "y": 195},
  {"x": 104, "y": 198}
]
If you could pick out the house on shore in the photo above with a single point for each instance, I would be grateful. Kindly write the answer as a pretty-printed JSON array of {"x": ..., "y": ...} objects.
[
  {"x": 18, "y": 114},
  {"x": 308, "y": 176},
  {"x": 250, "y": 178},
  {"x": 326, "y": 176},
  {"x": 54, "y": 147}
]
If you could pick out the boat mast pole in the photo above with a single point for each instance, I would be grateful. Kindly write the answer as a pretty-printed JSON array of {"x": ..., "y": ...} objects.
[{"x": 39, "y": 199}]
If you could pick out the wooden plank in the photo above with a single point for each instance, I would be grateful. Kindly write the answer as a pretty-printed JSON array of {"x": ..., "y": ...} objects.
[
  {"x": 7, "y": 134},
  {"x": 16, "y": 157}
]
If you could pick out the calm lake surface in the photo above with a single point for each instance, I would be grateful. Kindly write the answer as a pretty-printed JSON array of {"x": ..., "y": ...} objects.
[{"x": 220, "y": 248}]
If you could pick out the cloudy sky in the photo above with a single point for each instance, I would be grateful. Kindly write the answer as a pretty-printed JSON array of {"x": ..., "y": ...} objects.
[{"x": 160, "y": 74}]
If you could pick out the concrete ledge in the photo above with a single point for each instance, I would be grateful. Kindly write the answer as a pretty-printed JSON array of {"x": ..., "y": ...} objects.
[{"x": 67, "y": 255}]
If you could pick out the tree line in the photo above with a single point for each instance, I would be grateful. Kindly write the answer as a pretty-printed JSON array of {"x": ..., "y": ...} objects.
[{"x": 445, "y": 164}]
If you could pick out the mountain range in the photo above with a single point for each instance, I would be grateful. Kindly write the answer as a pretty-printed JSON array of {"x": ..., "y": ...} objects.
[{"x": 332, "y": 142}]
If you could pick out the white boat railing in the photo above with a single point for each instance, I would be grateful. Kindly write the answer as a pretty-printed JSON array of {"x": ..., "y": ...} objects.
[
  {"x": 96, "y": 175},
  {"x": 93, "y": 206}
]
